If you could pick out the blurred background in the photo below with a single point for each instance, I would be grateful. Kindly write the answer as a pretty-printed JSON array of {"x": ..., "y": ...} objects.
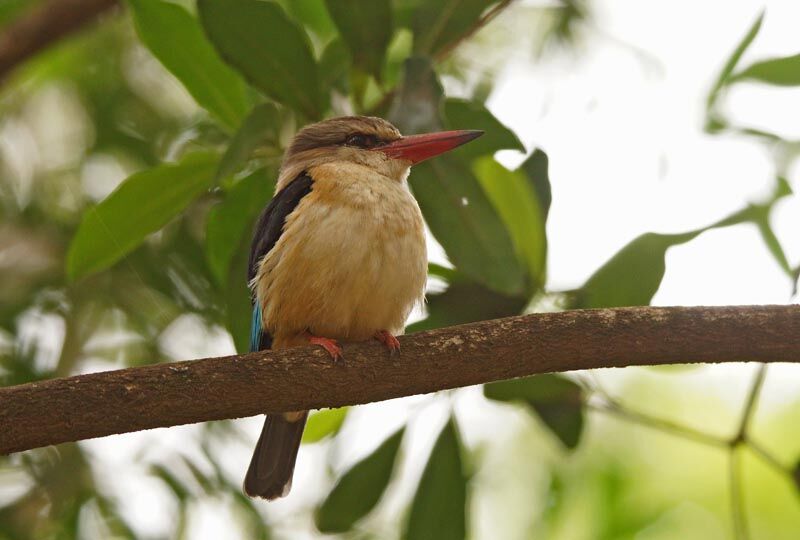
[{"x": 635, "y": 153}]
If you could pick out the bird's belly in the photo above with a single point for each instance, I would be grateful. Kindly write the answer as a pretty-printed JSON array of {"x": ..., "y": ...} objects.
[{"x": 346, "y": 272}]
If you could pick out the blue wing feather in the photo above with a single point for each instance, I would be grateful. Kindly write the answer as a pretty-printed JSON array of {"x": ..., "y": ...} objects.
[{"x": 268, "y": 230}]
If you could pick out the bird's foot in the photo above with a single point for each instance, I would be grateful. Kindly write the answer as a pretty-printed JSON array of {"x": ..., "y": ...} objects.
[
  {"x": 388, "y": 340},
  {"x": 330, "y": 345}
]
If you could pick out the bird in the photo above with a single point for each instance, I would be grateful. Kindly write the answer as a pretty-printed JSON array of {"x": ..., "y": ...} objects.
[{"x": 338, "y": 255}]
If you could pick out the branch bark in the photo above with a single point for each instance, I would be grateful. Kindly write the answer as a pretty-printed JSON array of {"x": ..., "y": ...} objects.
[
  {"x": 44, "y": 24},
  {"x": 99, "y": 404}
]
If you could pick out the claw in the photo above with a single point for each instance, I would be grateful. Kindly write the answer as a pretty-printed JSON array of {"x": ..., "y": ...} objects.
[
  {"x": 330, "y": 345},
  {"x": 388, "y": 340}
]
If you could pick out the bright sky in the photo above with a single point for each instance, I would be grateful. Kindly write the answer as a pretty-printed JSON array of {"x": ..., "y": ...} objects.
[{"x": 622, "y": 124}]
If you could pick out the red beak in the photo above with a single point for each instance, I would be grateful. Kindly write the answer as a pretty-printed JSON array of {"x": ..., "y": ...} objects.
[{"x": 417, "y": 148}]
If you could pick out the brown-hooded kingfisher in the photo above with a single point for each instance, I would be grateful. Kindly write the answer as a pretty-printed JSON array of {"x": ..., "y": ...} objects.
[{"x": 337, "y": 255}]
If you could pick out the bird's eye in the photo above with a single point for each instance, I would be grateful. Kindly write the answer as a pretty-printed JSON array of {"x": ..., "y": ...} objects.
[{"x": 361, "y": 140}]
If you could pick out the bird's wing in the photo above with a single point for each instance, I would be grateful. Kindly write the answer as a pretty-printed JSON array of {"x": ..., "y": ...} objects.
[{"x": 267, "y": 232}]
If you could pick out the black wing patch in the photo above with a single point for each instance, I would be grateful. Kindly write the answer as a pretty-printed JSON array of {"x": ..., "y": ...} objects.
[{"x": 270, "y": 227}]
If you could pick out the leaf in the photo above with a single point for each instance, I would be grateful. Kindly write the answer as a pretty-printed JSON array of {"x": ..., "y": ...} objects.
[
  {"x": 730, "y": 65},
  {"x": 176, "y": 39},
  {"x": 465, "y": 114},
  {"x": 464, "y": 302},
  {"x": 438, "y": 24},
  {"x": 312, "y": 14},
  {"x": 231, "y": 220},
  {"x": 633, "y": 275},
  {"x": 366, "y": 28},
  {"x": 774, "y": 246},
  {"x": 796, "y": 475},
  {"x": 325, "y": 423},
  {"x": 142, "y": 204},
  {"x": 261, "y": 128},
  {"x": 268, "y": 48},
  {"x": 467, "y": 226},
  {"x": 236, "y": 298},
  {"x": 334, "y": 65},
  {"x": 455, "y": 206},
  {"x": 536, "y": 169},
  {"x": 557, "y": 400},
  {"x": 439, "y": 508},
  {"x": 515, "y": 200},
  {"x": 359, "y": 489},
  {"x": 778, "y": 71}
]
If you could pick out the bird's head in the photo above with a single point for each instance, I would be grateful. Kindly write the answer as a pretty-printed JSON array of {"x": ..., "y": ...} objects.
[{"x": 366, "y": 140}]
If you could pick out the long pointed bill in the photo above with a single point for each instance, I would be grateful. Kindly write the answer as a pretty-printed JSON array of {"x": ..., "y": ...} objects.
[{"x": 417, "y": 148}]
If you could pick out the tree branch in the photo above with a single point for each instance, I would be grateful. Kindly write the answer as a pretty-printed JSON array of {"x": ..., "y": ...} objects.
[
  {"x": 99, "y": 404},
  {"x": 44, "y": 24}
]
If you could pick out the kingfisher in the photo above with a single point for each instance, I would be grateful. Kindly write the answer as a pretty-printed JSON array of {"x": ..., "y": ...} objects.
[{"x": 338, "y": 255}]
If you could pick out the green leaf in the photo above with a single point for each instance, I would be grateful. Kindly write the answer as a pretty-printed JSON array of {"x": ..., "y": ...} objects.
[
  {"x": 418, "y": 101},
  {"x": 366, "y": 28},
  {"x": 778, "y": 71},
  {"x": 536, "y": 169},
  {"x": 176, "y": 39},
  {"x": 268, "y": 48},
  {"x": 465, "y": 114},
  {"x": 516, "y": 201},
  {"x": 236, "y": 297},
  {"x": 469, "y": 228},
  {"x": 261, "y": 128},
  {"x": 334, "y": 65},
  {"x": 359, "y": 489},
  {"x": 437, "y": 24},
  {"x": 557, "y": 400},
  {"x": 464, "y": 302},
  {"x": 230, "y": 221},
  {"x": 633, "y": 275},
  {"x": 142, "y": 204},
  {"x": 323, "y": 424},
  {"x": 312, "y": 14},
  {"x": 730, "y": 65},
  {"x": 439, "y": 508}
]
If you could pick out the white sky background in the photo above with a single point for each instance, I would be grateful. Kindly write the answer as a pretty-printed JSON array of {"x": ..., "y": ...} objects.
[{"x": 621, "y": 121}]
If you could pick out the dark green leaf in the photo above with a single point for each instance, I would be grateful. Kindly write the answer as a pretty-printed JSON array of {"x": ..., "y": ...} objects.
[
  {"x": 796, "y": 475},
  {"x": 325, "y": 423},
  {"x": 141, "y": 205},
  {"x": 515, "y": 199},
  {"x": 437, "y": 24},
  {"x": 261, "y": 128},
  {"x": 465, "y": 302},
  {"x": 439, "y": 508},
  {"x": 556, "y": 399},
  {"x": 464, "y": 114},
  {"x": 730, "y": 65},
  {"x": 778, "y": 71},
  {"x": 633, "y": 275},
  {"x": 230, "y": 221},
  {"x": 334, "y": 65},
  {"x": 312, "y": 14},
  {"x": 366, "y": 28},
  {"x": 268, "y": 48},
  {"x": 536, "y": 168},
  {"x": 359, "y": 489},
  {"x": 176, "y": 39},
  {"x": 469, "y": 228},
  {"x": 236, "y": 298}
]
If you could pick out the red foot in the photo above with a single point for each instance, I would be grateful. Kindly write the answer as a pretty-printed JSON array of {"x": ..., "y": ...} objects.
[
  {"x": 388, "y": 340},
  {"x": 329, "y": 345}
]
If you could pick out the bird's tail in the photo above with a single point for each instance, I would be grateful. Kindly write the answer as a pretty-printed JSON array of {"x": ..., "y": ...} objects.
[{"x": 270, "y": 473}]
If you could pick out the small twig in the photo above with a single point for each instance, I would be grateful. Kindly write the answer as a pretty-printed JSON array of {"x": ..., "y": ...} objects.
[
  {"x": 477, "y": 25},
  {"x": 737, "y": 496},
  {"x": 660, "y": 424},
  {"x": 750, "y": 405},
  {"x": 44, "y": 24}
]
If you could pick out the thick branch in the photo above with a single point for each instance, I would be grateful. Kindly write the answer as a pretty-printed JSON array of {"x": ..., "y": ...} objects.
[
  {"x": 94, "y": 405},
  {"x": 44, "y": 24}
]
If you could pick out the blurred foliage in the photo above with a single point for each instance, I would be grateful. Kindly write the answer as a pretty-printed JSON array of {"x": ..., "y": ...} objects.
[{"x": 134, "y": 213}]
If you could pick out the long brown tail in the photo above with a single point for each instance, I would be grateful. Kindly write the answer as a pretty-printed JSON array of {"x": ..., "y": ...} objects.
[{"x": 270, "y": 473}]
